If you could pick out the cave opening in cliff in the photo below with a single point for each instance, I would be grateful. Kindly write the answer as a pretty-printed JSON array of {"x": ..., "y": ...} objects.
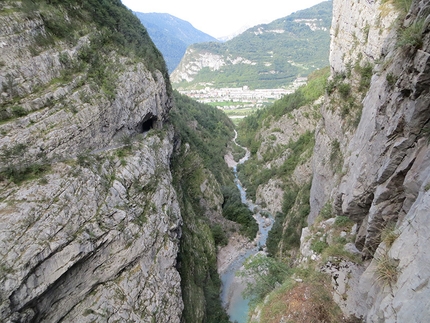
[{"x": 147, "y": 123}]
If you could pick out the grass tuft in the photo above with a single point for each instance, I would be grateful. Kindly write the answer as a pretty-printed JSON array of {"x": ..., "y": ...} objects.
[
  {"x": 412, "y": 36},
  {"x": 389, "y": 234},
  {"x": 386, "y": 270}
]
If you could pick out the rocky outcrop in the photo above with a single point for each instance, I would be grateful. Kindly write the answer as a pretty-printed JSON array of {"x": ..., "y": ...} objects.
[
  {"x": 95, "y": 242},
  {"x": 193, "y": 62},
  {"x": 90, "y": 221},
  {"x": 383, "y": 181}
]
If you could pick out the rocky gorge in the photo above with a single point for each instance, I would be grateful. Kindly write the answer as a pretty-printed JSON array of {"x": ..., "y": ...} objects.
[{"x": 113, "y": 186}]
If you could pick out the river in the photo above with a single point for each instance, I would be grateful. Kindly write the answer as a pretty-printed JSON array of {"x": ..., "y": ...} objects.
[{"x": 232, "y": 287}]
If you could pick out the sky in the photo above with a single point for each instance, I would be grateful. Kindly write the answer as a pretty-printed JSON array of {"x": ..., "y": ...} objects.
[{"x": 220, "y": 18}]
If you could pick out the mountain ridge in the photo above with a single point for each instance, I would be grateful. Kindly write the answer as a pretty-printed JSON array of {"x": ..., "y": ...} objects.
[
  {"x": 171, "y": 35},
  {"x": 264, "y": 56}
]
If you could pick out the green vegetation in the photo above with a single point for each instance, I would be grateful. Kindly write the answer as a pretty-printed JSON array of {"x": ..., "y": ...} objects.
[
  {"x": 200, "y": 283},
  {"x": 412, "y": 36},
  {"x": 24, "y": 172},
  {"x": 391, "y": 79},
  {"x": 252, "y": 174},
  {"x": 237, "y": 151},
  {"x": 343, "y": 222},
  {"x": 208, "y": 132},
  {"x": 235, "y": 210},
  {"x": 209, "y": 138},
  {"x": 267, "y": 272},
  {"x": 17, "y": 168},
  {"x": 11, "y": 113},
  {"x": 286, "y": 231},
  {"x": 342, "y": 93},
  {"x": 341, "y": 83},
  {"x": 366, "y": 73},
  {"x": 389, "y": 234},
  {"x": 334, "y": 83},
  {"x": 344, "y": 90},
  {"x": 319, "y": 245},
  {"x": 333, "y": 250},
  {"x": 402, "y": 6},
  {"x": 309, "y": 300},
  {"x": 336, "y": 157},
  {"x": 220, "y": 238},
  {"x": 110, "y": 28},
  {"x": 326, "y": 211},
  {"x": 307, "y": 94},
  {"x": 274, "y": 59},
  {"x": 121, "y": 30}
]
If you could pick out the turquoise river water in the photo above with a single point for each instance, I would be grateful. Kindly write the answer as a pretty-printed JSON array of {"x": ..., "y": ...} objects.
[{"x": 231, "y": 294}]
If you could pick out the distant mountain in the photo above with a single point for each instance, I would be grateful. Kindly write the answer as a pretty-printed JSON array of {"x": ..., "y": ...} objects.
[
  {"x": 172, "y": 35},
  {"x": 265, "y": 56}
]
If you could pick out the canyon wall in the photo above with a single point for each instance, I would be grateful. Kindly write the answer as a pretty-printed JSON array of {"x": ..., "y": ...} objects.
[
  {"x": 381, "y": 181},
  {"x": 369, "y": 197},
  {"x": 90, "y": 220}
]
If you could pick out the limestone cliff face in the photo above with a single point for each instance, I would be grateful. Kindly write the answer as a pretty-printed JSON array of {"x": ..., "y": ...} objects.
[
  {"x": 358, "y": 34},
  {"x": 90, "y": 222},
  {"x": 382, "y": 179},
  {"x": 188, "y": 68}
]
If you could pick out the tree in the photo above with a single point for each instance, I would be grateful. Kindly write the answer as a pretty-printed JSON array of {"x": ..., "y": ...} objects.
[{"x": 265, "y": 272}]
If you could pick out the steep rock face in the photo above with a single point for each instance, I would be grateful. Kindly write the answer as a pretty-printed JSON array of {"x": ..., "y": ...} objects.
[
  {"x": 92, "y": 238},
  {"x": 94, "y": 242},
  {"x": 383, "y": 183},
  {"x": 358, "y": 34}
]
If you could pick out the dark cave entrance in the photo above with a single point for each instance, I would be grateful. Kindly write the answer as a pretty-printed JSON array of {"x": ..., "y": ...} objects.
[{"x": 148, "y": 123}]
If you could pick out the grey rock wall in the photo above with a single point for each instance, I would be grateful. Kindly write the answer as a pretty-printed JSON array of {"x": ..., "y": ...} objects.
[
  {"x": 95, "y": 237},
  {"x": 384, "y": 175}
]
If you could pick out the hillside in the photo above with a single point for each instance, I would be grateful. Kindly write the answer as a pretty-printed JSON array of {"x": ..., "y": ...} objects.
[
  {"x": 347, "y": 177},
  {"x": 265, "y": 56},
  {"x": 172, "y": 35}
]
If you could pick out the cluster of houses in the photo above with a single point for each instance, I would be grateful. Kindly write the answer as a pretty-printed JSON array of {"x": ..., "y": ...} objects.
[{"x": 241, "y": 95}]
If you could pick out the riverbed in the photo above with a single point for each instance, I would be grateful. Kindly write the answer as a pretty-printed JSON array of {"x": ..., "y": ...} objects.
[{"x": 232, "y": 286}]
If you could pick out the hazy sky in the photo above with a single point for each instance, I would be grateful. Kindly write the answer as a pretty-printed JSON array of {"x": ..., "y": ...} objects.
[{"x": 220, "y": 18}]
